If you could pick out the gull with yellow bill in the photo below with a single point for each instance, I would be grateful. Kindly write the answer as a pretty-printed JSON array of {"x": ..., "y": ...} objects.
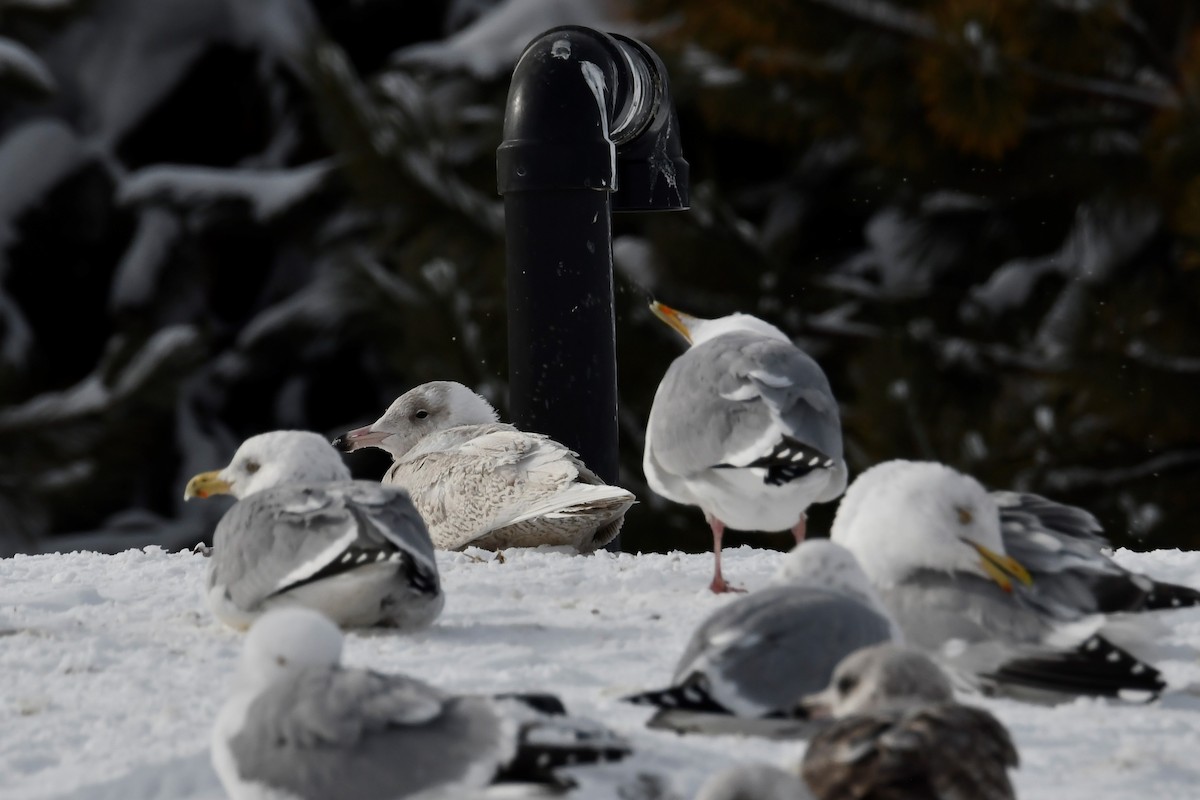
[
  {"x": 939, "y": 549},
  {"x": 745, "y": 426},
  {"x": 304, "y": 534}
]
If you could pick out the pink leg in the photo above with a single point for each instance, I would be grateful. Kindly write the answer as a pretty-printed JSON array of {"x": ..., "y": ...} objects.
[
  {"x": 718, "y": 584},
  {"x": 800, "y": 528}
]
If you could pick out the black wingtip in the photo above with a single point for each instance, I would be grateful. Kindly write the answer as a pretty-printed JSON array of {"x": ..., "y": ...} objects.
[
  {"x": 1096, "y": 667},
  {"x": 1164, "y": 596},
  {"x": 691, "y": 697}
]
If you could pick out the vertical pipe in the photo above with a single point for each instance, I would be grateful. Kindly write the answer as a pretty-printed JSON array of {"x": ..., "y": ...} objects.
[{"x": 561, "y": 333}]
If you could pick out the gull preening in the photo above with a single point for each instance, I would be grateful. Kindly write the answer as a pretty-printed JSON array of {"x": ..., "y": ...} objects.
[
  {"x": 939, "y": 549},
  {"x": 303, "y": 533},
  {"x": 299, "y": 725},
  {"x": 900, "y": 733},
  {"x": 747, "y": 666},
  {"x": 745, "y": 426},
  {"x": 480, "y": 482}
]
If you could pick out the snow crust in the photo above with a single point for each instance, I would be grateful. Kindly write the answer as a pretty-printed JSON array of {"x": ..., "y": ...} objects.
[{"x": 113, "y": 671}]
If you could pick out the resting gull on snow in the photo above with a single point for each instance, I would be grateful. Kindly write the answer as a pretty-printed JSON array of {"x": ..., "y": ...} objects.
[
  {"x": 750, "y": 662},
  {"x": 484, "y": 483},
  {"x": 299, "y": 725},
  {"x": 900, "y": 734},
  {"x": 745, "y": 426},
  {"x": 936, "y": 546},
  {"x": 303, "y": 533}
]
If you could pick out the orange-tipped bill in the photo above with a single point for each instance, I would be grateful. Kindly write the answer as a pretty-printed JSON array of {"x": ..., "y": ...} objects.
[
  {"x": 1002, "y": 569},
  {"x": 681, "y": 322},
  {"x": 205, "y": 484}
]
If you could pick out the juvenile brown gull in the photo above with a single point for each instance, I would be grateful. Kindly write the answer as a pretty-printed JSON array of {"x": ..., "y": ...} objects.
[
  {"x": 900, "y": 734},
  {"x": 481, "y": 482}
]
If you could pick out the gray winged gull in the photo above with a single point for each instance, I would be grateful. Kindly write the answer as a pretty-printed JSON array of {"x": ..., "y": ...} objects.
[
  {"x": 930, "y": 539},
  {"x": 745, "y": 426},
  {"x": 301, "y": 726},
  {"x": 480, "y": 482},
  {"x": 747, "y": 665},
  {"x": 303, "y": 533},
  {"x": 900, "y": 733}
]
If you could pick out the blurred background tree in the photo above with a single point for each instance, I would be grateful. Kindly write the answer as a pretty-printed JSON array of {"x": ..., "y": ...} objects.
[{"x": 219, "y": 218}]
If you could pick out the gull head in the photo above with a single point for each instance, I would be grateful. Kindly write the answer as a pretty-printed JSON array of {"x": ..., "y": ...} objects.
[
  {"x": 697, "y": 330},
  {"x": 903, "y": 516},
  {"x": 825, "y": 564},
  {"x": 272, "y": 459},
  {"x": 287, "y": 639},
  {"x": 428, "y": 408},
  {"x": 880, "y": 677}
]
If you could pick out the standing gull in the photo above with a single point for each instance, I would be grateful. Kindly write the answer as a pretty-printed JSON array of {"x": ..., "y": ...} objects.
[
  {"x": 300, "y": 726},
  {"x": 930, "y": 539},
  {"x": 745, "y": 426},
  {"x": 747, "y": 666},
  {"x": 900, "y": 734},
  {"x": 303, "y": 533},
  {"x": 480, "y": 482}
]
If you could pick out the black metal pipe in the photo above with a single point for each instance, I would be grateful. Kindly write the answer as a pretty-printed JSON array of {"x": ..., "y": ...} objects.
[{"x": 578, "y": 101}]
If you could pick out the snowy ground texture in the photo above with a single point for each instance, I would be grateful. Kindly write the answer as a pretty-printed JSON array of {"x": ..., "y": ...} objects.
[{"x": 112, "y": 670}]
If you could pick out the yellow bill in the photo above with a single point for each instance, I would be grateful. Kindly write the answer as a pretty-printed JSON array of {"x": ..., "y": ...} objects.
[
  {"x": 1000, "y": 568},
  {"x": 204, "y": 485},
  {"x": 676, "y": 319}
]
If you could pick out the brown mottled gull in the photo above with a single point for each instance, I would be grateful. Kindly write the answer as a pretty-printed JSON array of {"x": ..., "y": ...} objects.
[{"x": 480, "y": 482}]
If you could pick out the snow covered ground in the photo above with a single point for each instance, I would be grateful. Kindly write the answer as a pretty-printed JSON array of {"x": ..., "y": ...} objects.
[{"x": 112, "y": 669}]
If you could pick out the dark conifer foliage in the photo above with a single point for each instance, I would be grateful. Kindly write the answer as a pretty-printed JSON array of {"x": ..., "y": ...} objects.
[{"x": 982, "y": 217}]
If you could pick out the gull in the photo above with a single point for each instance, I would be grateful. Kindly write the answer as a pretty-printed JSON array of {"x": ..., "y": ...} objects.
[
  {"x": 480, "y": 482},
  {"x": 304, "y": 533},
  {"x": 749, "y": 663},
  {"x": 899, "y": 733},
  {"x": 300, "y": 726},
  {"x": 745, "y": 426},
  {"x": 935, "y": 544}
]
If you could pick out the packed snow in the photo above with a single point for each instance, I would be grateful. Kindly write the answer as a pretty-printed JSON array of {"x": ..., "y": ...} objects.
[{"x": 114, "y": 670}]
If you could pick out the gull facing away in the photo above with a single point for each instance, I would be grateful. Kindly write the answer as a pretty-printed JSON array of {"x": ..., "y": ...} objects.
[
  {"x": 745, "y": 426},
  {"x": 481, "y": 482},
  {"x": 302, "y": 533},
  {"x": 299, "y": 726},
  {"x": 935, "y": 544},
  {"x": 899, "y": 733},
  {"x": 751, "y": 661}
]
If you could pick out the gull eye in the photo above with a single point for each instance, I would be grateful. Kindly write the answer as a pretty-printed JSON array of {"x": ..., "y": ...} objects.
[
  {"x": 964, "y": 515},
  {"x": 421, "y": 414},
  {"x": 846, "y": 684},
  {"x": 251, "y": 466},
  {"x": 281, "y": 661}
]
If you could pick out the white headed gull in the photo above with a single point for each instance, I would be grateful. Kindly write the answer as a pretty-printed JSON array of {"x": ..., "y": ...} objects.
[
  {"x": 750, "y": 662},
  {"x": 900, "y": 733},
  {"x": 303, "y": 533},
  {"x": 745, "y": 426},
  {"x": 484, "y": 483},
  {"x": 935, "y": 544},
  {"x": 300, "y": 726}
]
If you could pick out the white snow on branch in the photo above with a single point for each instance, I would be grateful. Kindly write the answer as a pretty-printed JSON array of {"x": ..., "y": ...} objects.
[
  {"x": 269, "y": 192},
  {"x": 18, "y": 60}
]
